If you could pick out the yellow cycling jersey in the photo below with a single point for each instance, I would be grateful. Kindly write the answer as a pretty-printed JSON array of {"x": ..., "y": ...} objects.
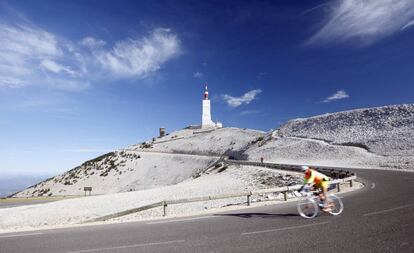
[{"x": 312, "y": 176}]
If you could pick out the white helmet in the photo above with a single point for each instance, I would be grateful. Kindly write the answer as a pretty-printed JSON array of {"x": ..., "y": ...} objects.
[{"x": 304, "y": 168}]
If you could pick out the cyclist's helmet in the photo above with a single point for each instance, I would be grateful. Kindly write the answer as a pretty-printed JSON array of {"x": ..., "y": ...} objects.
[{"x": 304, "y": 168}]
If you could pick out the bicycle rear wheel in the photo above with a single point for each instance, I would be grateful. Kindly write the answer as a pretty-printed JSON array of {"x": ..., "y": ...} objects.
[
  {"x": 307, "y": 208},
  {"x": 335, "y": 205}
]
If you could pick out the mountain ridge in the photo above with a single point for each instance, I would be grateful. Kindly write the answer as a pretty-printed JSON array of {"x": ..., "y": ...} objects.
[{"x": 368, "y": 137}]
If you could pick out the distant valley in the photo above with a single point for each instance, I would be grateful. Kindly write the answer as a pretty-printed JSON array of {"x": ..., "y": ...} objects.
[{"x": 13, "y": 183}]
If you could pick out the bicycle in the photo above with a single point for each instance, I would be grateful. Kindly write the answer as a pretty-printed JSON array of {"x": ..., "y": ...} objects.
[{"x": 309, "y": 206}]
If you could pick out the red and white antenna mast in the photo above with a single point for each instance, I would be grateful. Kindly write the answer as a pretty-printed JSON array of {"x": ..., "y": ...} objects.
[{"x": 206, "y": 93}]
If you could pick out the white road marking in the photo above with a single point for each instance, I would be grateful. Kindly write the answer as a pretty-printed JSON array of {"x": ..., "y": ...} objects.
[
  {"x": 389, "y": 210},
  {"x": 188, "y": 219},
  {"x": 19, "y": 235},
  {"x": 285, "y": 228},
  {"x": 127, "y": 246},
  {"x": 372, "y": 185}
]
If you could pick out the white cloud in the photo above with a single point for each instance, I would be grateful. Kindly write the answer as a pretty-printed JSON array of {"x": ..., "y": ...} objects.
[
  {"x": 33, "y": 57},
  {"x": 28, "y": 54},
  {"x": 365, "y": 21},
  {"x": 340, "y": 94},
  {"x": 136, "y": 58},
  {"x": 22, "y": 41},
  {"x": 55, "y": 67},
  {"x": 245, "y": 99},
  {"x": 10, "y": 82},
  {"x": 411, "y": 23},
  {"x": 198, "y": 75},
  {"x": 91, "y": 42}
]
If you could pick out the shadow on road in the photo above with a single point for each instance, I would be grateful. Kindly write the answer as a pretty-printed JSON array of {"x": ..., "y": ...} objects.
[{"x": 259, "y": 215}]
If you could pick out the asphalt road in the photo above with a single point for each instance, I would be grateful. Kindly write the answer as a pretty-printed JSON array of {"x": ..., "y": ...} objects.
[{"x": 377, "y": 218}]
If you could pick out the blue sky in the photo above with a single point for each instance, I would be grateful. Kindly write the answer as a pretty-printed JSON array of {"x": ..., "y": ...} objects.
[{"x": 81, "y": 78}]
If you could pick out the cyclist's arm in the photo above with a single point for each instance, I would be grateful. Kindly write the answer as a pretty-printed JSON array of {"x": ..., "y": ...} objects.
[{"x": 306, "y": 187}]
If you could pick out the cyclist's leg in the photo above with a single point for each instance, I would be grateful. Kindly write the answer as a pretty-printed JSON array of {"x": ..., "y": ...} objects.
[
  {"x": 318, "y": 187},
  {"x": 331, "y": 187},
  {"x": 324, "y": 187}
]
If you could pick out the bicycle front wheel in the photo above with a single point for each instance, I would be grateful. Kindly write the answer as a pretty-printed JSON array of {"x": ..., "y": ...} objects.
[
  {"x": 335, "y": 205},
  {"x": 307, "y": 208}
]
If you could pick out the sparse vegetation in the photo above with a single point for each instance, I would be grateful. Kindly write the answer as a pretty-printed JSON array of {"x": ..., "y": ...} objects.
[
  {"x": 98, "y": 159},
  {"x": 355, "y": 144},
  {"x": 258, "y": 139},
  {"x": 145, "y": 145},
  {"x": 43, "y": 191}
]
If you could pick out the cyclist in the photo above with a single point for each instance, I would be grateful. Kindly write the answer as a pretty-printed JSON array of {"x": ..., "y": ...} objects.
[{"x": 317, "y": 180}]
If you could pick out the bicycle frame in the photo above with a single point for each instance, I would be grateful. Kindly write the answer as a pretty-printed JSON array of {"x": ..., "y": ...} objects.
[{"x": 312, "y": 202}]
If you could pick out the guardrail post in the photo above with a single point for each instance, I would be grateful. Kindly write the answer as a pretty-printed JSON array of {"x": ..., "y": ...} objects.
[
  {"x": 285, "y": 196},
  {"x": 351, "y": 184},
  {"x": 164, "y": 208},
  {"x": 338, "y": 187},
  {"x": 248, "y": 199}
]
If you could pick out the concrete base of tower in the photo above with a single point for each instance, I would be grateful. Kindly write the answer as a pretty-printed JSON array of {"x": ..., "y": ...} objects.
[{"x": 212, "y": 125}]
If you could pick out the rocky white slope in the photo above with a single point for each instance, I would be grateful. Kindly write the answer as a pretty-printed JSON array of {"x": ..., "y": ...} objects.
[
  {"x": 234, "y": 179},
  {"x": 387, "y": 130},
  {"x": 374, "y": 137},
  {"x": 160, "y": 162},
  {"x": 215, "y": 142}
]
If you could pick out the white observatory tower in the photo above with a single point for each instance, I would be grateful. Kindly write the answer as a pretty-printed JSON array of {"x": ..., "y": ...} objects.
[{"x": 206, "y": 120}]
